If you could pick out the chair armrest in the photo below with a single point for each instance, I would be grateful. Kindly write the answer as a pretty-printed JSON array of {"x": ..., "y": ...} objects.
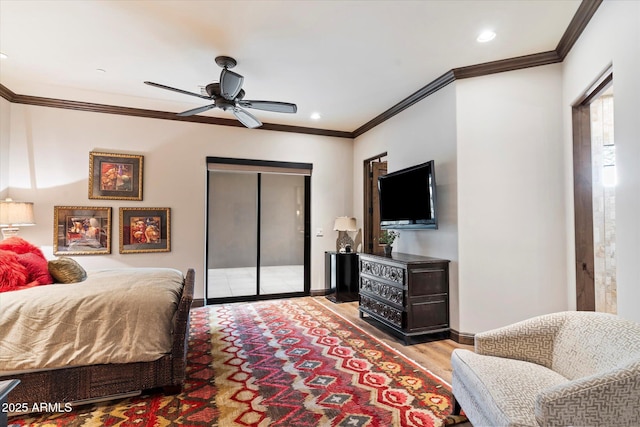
[
  {"x": 605, "y": 399},
  {"x": 530, "y": 340}
]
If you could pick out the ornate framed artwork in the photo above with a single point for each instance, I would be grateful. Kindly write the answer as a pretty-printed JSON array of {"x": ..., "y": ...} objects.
[
  {"x": 145, "y": 230},
  {"x": 115, "y": 176},
  {"x": 81, "y": 230}
]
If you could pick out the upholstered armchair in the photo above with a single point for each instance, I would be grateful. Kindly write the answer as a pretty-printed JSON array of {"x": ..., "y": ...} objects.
[{"x": 562, "y": 369}]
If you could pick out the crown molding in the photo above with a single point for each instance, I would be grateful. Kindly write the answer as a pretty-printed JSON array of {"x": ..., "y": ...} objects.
[
  {"x": 417, "y": 96},
  {"x": 154, "y": 114},
  {"x": 510, "y": 64},
  {"x": 578, "y": 23},
  {"x": 6, "y": 93},
  {"x": 583, "y": 15},
  {"x": 501, "y": 66}
]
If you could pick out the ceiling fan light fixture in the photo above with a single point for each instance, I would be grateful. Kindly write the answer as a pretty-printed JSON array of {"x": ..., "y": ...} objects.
[
  {"x": 486, "y": 36},
  {"x": 230, "y": 83}
]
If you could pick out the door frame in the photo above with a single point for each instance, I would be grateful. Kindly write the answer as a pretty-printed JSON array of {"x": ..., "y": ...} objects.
[
  {"x": 583, "y": 193},
  {"x": 367, "y": 235}
]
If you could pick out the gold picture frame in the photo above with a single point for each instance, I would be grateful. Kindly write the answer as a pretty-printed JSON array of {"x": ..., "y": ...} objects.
[
  {"x": 115, "y": 176},
  {"x": 144, "y": 230},
  {"x": 81, "y": 230}
]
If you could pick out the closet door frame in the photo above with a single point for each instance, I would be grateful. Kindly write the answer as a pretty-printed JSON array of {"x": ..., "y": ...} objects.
[{"x": 261, "y": 166}]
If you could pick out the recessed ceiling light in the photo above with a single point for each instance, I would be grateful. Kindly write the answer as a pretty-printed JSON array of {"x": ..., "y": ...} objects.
[
  {"x": 315, "y": 116},
  {"x": 486, "y": 36},
  {"x": 3, "y": 55}
]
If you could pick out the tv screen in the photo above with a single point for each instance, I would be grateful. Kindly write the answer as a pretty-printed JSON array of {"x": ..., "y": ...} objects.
[{"x": 408, "y": 198}]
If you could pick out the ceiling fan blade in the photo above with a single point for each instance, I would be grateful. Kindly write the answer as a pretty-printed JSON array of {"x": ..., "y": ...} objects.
[
  {"x": 177, "y": 90},
  {"x": 278, "y": 107},
  {"x": 246, "y": 118},
  {"x": 196, "y": 110},
  {"x": 230, "y": 84}
]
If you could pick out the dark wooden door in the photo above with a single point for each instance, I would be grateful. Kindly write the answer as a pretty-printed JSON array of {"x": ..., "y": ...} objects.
[
  {"x": 373, "y": 168},
  {"x": 378, "y": 169}
]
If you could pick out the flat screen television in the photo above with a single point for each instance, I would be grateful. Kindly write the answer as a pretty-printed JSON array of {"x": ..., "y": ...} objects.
[{"x": 408, "y": 198}]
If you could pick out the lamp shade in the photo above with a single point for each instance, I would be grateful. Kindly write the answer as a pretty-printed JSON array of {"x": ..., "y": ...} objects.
[
  {"x": 345, "y": 223},
  {"x": 16, "y": 213}
]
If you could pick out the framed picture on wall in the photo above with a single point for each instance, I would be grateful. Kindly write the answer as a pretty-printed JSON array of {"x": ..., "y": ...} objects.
[
  {"x": 81, "y": 230},
  {"x": 145, "y": 230},
  {"x": 115, "y": 176}
]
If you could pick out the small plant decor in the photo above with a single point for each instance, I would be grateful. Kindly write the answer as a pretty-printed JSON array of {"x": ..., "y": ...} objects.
[{"x": 387, "y": 237}]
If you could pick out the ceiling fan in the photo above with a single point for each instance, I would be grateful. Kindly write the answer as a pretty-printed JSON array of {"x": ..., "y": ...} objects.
[{"x": 228, "y": 95}]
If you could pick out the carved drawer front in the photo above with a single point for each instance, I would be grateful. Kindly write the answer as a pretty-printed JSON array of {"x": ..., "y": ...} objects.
[
  {"x": 383, "y": 291},
  {"x": 382, "y": 310},
  {"x": 388, "y": 272}
]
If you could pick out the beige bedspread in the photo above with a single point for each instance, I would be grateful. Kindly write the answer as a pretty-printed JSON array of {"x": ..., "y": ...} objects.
[{"x": 114, "y": 316}]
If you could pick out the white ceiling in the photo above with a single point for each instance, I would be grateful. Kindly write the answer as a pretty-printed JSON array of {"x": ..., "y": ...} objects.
[{"x": 348, "y": 60}]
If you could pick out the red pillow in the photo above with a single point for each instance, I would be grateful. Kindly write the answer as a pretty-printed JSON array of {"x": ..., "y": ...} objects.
[
  {"x": 13, "y": 275},
  {"x": 31, "y": 257},
  {"x": 20, "y": 246},
  {"x": 37, "y": 269}
]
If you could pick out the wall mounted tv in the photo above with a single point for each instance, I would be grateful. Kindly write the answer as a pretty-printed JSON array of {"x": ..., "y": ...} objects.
[{"x": 408, "y": 198}]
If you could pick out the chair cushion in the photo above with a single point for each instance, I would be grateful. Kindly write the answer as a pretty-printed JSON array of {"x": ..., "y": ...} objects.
[{"x": 498, "y": 391}]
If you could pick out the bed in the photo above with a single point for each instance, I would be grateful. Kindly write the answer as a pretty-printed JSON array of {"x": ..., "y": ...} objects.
[{"x": 116, "y": 332}]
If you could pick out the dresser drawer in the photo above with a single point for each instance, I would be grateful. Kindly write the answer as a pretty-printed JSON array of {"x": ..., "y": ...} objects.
[
  {"x": 383, "y": 271},
  {"x": 383, "y": 291},
  {"x": 380, "y": 310},
  {"x": 428, "y": 314},
  {"x": 428, "y": 281}
]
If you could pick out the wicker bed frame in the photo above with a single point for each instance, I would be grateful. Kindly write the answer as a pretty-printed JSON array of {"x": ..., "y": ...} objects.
[{"x": 95, "y": 382}]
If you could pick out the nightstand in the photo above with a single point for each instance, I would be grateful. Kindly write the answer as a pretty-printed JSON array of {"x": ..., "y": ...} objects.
[{"x": 341, "y": 276}]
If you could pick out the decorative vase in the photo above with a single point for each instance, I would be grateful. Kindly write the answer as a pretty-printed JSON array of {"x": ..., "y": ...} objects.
[{"x": 387, "y": 250}]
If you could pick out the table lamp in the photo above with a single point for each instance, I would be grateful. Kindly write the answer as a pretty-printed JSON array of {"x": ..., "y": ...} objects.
[
  {"x": 343, "y": 225},
  {"x": 13, "y": 215}
]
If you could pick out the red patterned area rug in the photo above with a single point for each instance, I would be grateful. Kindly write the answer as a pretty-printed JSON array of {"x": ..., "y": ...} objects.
[{"x": 280, "y": 363}]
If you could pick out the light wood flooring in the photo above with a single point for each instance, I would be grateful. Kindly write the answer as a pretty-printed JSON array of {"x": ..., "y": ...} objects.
[{"x": 434, "y": 355}]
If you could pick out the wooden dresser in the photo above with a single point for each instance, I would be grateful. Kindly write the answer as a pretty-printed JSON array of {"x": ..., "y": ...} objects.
[{"x": 408, "y": 293}]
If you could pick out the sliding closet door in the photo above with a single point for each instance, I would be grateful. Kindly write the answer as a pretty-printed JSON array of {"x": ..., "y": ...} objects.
[
  {"x": 258, "y": 238},
  {"x": 282, "y": 233},
  {"x": 232, "y": 244}
]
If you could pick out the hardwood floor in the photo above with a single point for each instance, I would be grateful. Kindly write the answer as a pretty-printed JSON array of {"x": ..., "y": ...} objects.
[{"x": 435, "y": 355}]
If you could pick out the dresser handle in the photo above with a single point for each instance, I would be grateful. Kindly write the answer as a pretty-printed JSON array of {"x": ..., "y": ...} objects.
[{"x": 427, "y": 270}]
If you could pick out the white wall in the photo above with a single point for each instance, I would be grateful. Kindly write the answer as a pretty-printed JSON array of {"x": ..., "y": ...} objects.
[
  {"x": 511, "y": 213},
  {"x": 612, "y": 37},
  {"x": 49, "y": 159},
  {"x": 425, "y": 131},
  {"x": 5, "y": 108}
]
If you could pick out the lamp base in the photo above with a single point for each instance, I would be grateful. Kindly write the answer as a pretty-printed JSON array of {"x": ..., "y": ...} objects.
[
  {"x": 343, "y": 240},
  {"x": 9, "y": 232}
]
